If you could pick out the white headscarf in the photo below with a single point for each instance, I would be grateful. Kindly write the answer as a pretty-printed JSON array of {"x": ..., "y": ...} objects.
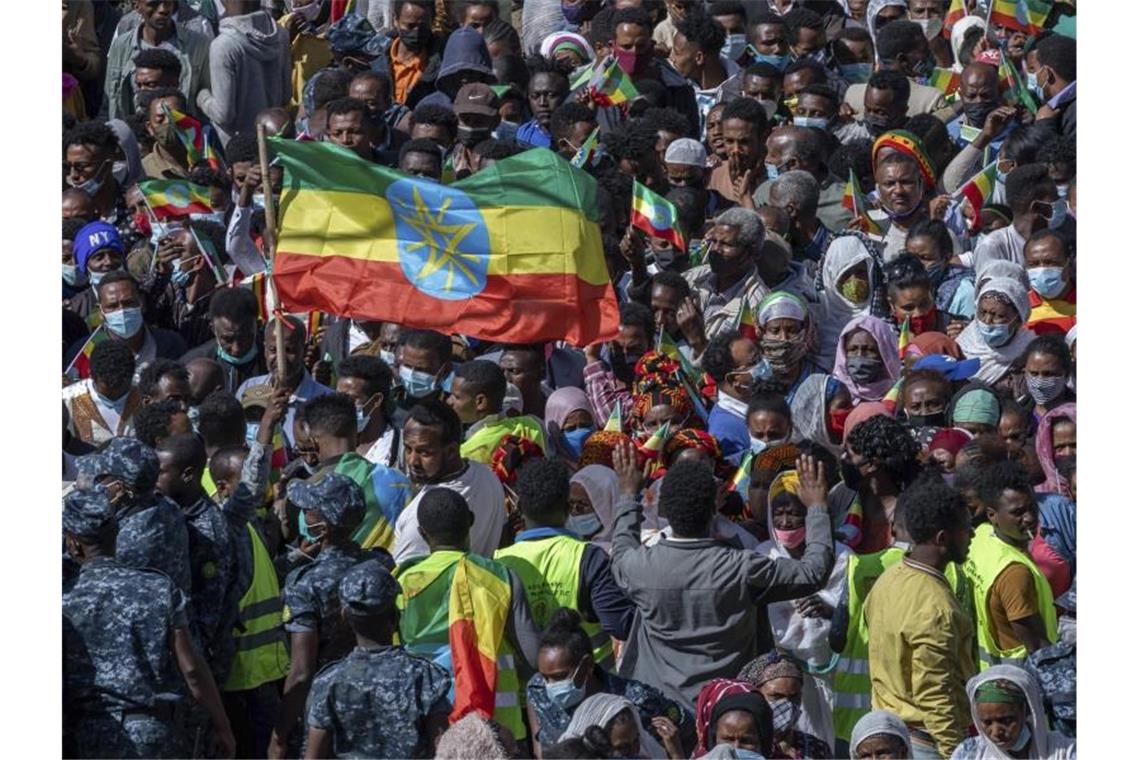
[
  {"x": 601, "y": 484},
  {"x": 835, "y": 311},
  {"x": 809, "y": 412},
  {"x": 996, "y": 362},
  {"x": 879, "y": 722},
  {"x": 995, "y": 268},
  {"x": 599, "y": 710},
  {"x": 1046, "y": 744},
  {"x": 874, "y": 8},
  {"x": 958, "y": 34}
]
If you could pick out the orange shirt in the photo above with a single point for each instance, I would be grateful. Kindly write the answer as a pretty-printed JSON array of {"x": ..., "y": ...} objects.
[{"x": 404, "y": 75}]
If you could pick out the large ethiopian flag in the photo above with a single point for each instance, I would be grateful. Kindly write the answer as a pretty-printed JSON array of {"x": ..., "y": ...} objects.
[{"x": 510, "y": 254}]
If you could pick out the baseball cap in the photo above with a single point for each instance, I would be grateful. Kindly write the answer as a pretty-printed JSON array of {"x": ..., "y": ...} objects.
[
  {"x": 686, "y": 152},
  {"x": 336, "y": 497},
  {"x": 952, "y": 369},
  {"x": 476, "y": 98},
  {"x": 368, "y": 588}
]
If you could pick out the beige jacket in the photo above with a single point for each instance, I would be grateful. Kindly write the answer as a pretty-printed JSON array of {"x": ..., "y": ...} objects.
[{"x": 923, "y": 99}]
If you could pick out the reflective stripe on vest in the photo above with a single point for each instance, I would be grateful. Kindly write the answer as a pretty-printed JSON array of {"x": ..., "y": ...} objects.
[
  {"x": 550, "y": 569},
  {"x": 988, "y": 557},
  {"x": 861, "y": 702},
  {"x": 261, "y": 656}
]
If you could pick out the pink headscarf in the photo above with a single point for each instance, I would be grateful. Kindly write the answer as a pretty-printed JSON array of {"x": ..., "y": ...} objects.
[
  {"x": 1054, "y": 482},
  {"x": 711, "y": 693},
  {"x": 559, "y": 406},
  {"x": 862, "y": 413},
  {"x": 887, "y": 342}
]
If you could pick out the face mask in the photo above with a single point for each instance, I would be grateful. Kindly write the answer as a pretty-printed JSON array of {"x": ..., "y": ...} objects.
[
  {"x": 91, "y": 186},
  {"x": 1022, "y": 739},
  {"x": 246, "y": 358},
  {"x": 746, "y": 754},
  {"x": 106, "y": 400},
  {"x": 897, "y": 215},
  {"x": 811, "y": 122},
  {"x": 565, "y": 694},
  {"x": 575, "y": 13},
  {"x": 72, "y": 276},
  {"x": 141, "y": 224},
  {"x": 471, "y": 136},
  {"x": 415, "y": 39},
  {"x": 718, "y": 263},
  {"x": 855, "y": 290},
  {"x": 584, "y": 526},
  {"x": 783, "y": 354},
  {"x": 789, "y": 539},
  {"x": 251, "y": 429},
  {"x": 1049, "y": 282},
  {"x": 785, "y": 712},
  {"x": 306, "y": 530},
  {"x": 772, "y": 171},
  {"x": 363, "y": 417},
  {"x": 388, "y": 357},
  {"x": 179, "y": 277},
  {"x": 864, "y": 370},
  {"x": 931, "y": 27},
  {"x": 1044, "y": 389},
  {"x": 920, "y": 323},
  {"x": 309, "y": 12},
  {"x": 851, "y": 475},
  {"x": 923, "y": 68},
  {"x": 760, "y": 372},
  {"x": 418, "y": 384},
  {"x": 630, "y": 61},
  {"x": 937, "y": 419},
  {"x": 216, "y": 217},
  {"x": 936, "y": 272},
  {"x": 855, "y": 73},
  {"x": 756, "y": 446},
  {"x": 818, "y": 56},
  {"x": 734, "y": 45},
  {"x": 780, "y": 62},
  {"x": 576, "y": 438},
  {"x": 1034, "y": 87},
  {"x": 665, "y": 258},
  {"x": 996, "y": 335},
  {"x": 97, "y": 277},
  {"x": 257, "y": 201},
  {"x": 120, "y": 171},
  {"x": 976, "y": 113},
  {"x": 124, "y": 323},
  {"x": 1060, "y": 211},
  {"x": 875, "y": 125},
  {"x": 836, "y": 421},
  {"x": 1063, "y": 190}
]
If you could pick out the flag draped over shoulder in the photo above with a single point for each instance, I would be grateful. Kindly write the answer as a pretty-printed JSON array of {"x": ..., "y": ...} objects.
[
  {"x": 477, "y": 611},
  {"x": 510, "y": 254}
]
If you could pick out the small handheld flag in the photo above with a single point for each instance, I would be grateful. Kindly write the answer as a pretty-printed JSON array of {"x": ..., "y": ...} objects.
[
  {"x": 742, "y": 480},
  {"x": 588, "y": 151},
  {"x": 855, "y": 202},
  {"x": 168, "y": 198},
  {"x": 612, "y": 86},
  {"x": 977, "y": 192},
  {"x": 746, "y": 322},
  {"x": 954, "y": 14},
  {"x": 656, "y": 216},
  {"x": 190, "y": 134},
  {"x": 904, "y": 337},
  {"x": 1028, "y": 16},
  {"x": 613, "y": 424},
  {"x": 655, "y": 444},
  {"x": 80, "y": 367},
  {"x": 1013, "y": 89},
  {"x": 945, "y": 80}
]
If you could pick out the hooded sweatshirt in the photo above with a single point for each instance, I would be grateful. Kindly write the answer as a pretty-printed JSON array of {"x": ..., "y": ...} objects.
[
  {"x": 249, "y": 70},
  {"x": 465, "y": 51},
  {"x": 1045, "y": 744}
]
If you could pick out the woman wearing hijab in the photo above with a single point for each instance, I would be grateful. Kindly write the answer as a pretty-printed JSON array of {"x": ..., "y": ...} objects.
[
  {"x": 880, "y": 735},
  {"x": 618, "y": 717},
  {"x": 593, "y": 496},
  {"x": 905, "y": 180},
  {"x": 867, "y": 359},
  {"x": 996, "y": 336},
  {"x": 781, "y": 682},
  {"x": 819, "y": 408},
  {"x": 876, "y": 19},
  {"x": 733, "y": 713},
  {"x": 787, "y": 337},
  {"x": 851, "y": 283},
  {"x": 568, "y": 50},
  {"x": 569, "y": 422},
  {"x": 1056, "y": 447},
  {"x": 1010, "y": 718}
]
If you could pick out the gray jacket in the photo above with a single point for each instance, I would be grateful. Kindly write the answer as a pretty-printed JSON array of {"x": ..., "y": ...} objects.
[
  {"x": 193, "y": 53},
  {"x": 250, "y": 70},
  {"x": 698, "y": 600}
]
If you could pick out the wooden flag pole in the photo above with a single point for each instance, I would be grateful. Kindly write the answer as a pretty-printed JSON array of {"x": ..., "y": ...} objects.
[{"x": 269, "y": 244}]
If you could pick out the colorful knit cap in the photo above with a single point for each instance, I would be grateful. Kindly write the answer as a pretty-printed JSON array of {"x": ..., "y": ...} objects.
[{"x": 911, "y": 145}]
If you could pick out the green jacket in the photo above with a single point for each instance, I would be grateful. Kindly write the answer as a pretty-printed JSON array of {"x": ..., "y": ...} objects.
[{"x": 193, "y": 53}]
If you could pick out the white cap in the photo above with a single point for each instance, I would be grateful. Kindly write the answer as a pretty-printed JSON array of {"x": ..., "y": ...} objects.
[{"x": 686, "y": 152}]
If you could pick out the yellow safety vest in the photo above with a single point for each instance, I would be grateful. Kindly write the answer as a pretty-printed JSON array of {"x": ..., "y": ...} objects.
[
  {"x": 261, "y": 655},
  {"x": 550, "y": 569},
  {"x": 988, "y": 557}
]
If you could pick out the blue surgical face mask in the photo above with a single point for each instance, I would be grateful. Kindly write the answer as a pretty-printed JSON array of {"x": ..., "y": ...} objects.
[
  {"x": 388, "y": 357},
  {"x": 1023, "y": 739},
  {"x": 855, "y": 73},
  {"x": 1034, "y": 87},
  {"x": 251, "y": 429},
  {"x": 125, "y": 323},
  {"x": 97, "y": 277},
  {"x": 811, "y": 122},
  {"x": 72, "y": 276},
  {"x": 755, "y": 445},
  {"x": 584, "y": 525},
  {"x": 257, "y": 201},
  {"x": 418, "y": 384},
  {"x": 996, "y": 335},
  {"x": 772, "y": 171},
  {"x": 245, "y": 358},
  {"x": 217, "y": 217},
  {"x": 746, "y": 754},
  {"x": 1049, "y": 282},
  {"x": 780, "y": 62},
  {"x": 734, "y": 45},
  {"x": 576, "y": 439},
  {"x": 565, "y": 694},
  {"x": 1060, "y": 212},
  {"x": 1063, "y": 190},
  {"x": 362, "y": 417},
  {"x": 762, "y": 371},
  {"x": 179, "y": 277},
  {"x": 106, "y": 400},
  {"x": 193, "y": 413}
]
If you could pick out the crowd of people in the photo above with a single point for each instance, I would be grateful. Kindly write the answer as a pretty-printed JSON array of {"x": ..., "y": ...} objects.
[{"x": 814, "y": 497}]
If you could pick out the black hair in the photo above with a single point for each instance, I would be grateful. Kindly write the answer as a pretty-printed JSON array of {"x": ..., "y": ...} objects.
[
  {"x": 426, "y": 5},
  {"x": 1059, "y": 53},
  {"x": 444, "y": 515},
  {"x": 690, "y": 203},
  {"x": 632, "y": 140},
  {"x": 113, "y": 363},
  {"x": 1023, "y": 143},
  {"x": 564, "y": 630},
  {"x": 632, "y": 16},
  {"x": 204, "y": 175},
  {"x": 221, "y": 418},
  {"x": 332, "y": 413},
  {"x": 726, "y": 8},
  {"x": 929, "y": 506},
  {"x": 818, "y": 72},
  {"x": 747, "y": 110},
  {"x": 895, "y": 81},
  {"x": 93, "y": 134},
  {"x": 888, "y": 441},
  {"x": 602, "y": 27},
  {"x": 71, "y": 228},
  {"x": 436, "y": 115},
  {"x": 717, "y": 359},
  {"x": 969, "y": 42},
  {"x": 331, "y": 84},
  {"x": 1065, "y": 240},
  {"x": 700, "y": 29},
  {"x": 568, "y": 114},
  {"x": 767, "y": 18},
  {"x": 1024, "y": 184},
  {"x": 855, "y": 157},
  {"x": 537, "y": 64},
  {"x": 241, "y": 148},
  {"x": 429, "y": 340},
  {"x": 383, "y": 79},
  {"x": 152, "y": 421},
  {"x": 936, "y": 230},
  {"x": 768, "y": 402},
  {"x": 1050, "y": 345},
  {"x": 499, "y": 29},
  {"x": 926, "y": 376},
  {"x": 226, "y": 461},
  {"x": 153, "y": 373},
  {"x": 373, "y": 370},
  {"x": 667, "y": 120},
  {"x": 1061, "y": 150},
  {"x": 634, "y": 314},
  {"x": 235, "y": 304},
  {"x": 480, "y": 376},
  {"x": 898, "y": 37},
  {"x": 906, "y": 271},
  {"x": 594, "y": 743},
  {"x": 159, "y": 59},
  {"x": 853, "y": 34},
  {"x": 421, "y": 145},
  {"x": 673, "y": 280},
  {"x": 148, "y": 97},
  {"x": 186, "y": 448},
  {"x": 763, "y": 71},
  {"x": 998, "y": 477},
  {"x": 688, "y": 498},
  {"x": 543, "y": 487},
  {"x": 497, "y": 150},
  {"x": 802, "y": 18},
  {"x": 932, "y": 131},
  {"x": 822, "y": 91},
  {"x": 346, "y": 105},
  {"x": 435, "y": 413}
]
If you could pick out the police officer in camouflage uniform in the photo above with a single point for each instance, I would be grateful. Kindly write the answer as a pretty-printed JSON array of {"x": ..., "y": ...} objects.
[
  {"x": 380, "y": 700},
  {"x": 125, "y": 637},
  {"x": 152, "y": 530},
  {"x": 333, "y": 508}
]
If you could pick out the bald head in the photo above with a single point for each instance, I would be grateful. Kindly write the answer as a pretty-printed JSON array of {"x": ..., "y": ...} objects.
[
  {"x": 979, "y": 83},
  {"x": 277, "y": 122},
  {"x": 206, "y": 376},
  {"x": 77, "y": 204},
  {"x": 796, "y": 148}
]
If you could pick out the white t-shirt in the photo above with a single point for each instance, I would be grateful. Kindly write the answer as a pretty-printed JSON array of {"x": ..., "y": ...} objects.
[{"x": 484, "y": 495}]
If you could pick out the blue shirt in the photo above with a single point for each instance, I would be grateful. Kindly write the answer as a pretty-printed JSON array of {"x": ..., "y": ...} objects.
[
  {"x": 531, "y": 133},
  {"x": 308, "y": 388},
  {"x": 730, "y": 431},
  {"x": 954, "y": 129}
]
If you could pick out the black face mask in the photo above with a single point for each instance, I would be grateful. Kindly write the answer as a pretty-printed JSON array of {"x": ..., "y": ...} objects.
[
  {"x": 927, "y": 420},
  {"x": 851, "y": 476},
  {"x": 976, "y": 113},
  {"x": 875, "y": 125},
  {"x": 718, "y": 263},
  {"x": 621, "y": 365},
  {"x": 472, "y": 136},
  {"x": 415, "y": 39}
]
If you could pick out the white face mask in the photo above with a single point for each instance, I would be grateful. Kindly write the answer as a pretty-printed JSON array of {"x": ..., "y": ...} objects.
[{"x": 931, "y": 27}]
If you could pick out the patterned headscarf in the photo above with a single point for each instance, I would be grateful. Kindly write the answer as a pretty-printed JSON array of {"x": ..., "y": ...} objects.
[
  {"x": 664, "y": 395},
  {"x": 692, "y": 438},
  {"x": 909, "y": 144},
  {"x": 653, "y": 370},
  {"x": 711, "y": 693},
  {"x": 510, "y": 455},
  {"x": 769, "y": 667},
  {"x": 599, "y": 447}
]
